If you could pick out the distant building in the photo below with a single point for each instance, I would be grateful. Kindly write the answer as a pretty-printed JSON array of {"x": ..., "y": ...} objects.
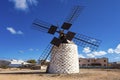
[
  {"x": 17, "y": 63},
  {"x": 93, "y": 62},
  {"x": 118, "y": 62},
  {"x": 114, "y": 65}
]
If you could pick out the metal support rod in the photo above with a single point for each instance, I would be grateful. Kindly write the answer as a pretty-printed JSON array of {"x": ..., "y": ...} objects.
[
  {"x": 73, "y": 14},
  {"x": 86, "y": 42},
  {"x": 41, "y": 26}
]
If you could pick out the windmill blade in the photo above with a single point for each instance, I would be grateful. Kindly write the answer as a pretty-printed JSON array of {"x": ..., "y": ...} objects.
[
  {"x": 66, "y": 25},
  {"x": 56, "y": 41},
  {"x": 70, "y": 35},
  {"x": 44, "y": 26},
  {"x": 86, "y": 41},
  {"x": 72, "y": 16},
  {"x": 45, "y": 55},
  {"x": 75, "y": 12}
]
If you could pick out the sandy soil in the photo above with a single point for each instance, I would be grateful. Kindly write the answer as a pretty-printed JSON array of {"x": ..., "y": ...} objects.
[{"x": 85, "y": 74}]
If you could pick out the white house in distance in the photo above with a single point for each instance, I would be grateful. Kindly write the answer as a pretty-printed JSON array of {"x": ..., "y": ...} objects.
[{"x": 17, "y": 63}]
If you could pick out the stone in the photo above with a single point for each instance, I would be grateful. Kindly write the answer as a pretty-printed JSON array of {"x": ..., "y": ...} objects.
[{"x": 64, "y": 59}]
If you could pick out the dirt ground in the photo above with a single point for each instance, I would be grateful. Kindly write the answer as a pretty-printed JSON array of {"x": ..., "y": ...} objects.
[{"x": 85, "y": 74}]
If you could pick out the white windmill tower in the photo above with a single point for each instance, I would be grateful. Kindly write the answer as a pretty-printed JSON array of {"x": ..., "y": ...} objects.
[{"x": 63, "y": 51}]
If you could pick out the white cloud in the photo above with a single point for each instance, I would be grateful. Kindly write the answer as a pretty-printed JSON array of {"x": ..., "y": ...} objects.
[
  {"x": 23, "y": 4},
  {"x": 86, "y": 50},
  {"x": 20, "y": 4},
  {"x": 90, "y": 55},
  {"x": 81, "y": 56},
  {"x": 110, "y": 50},
  {"x": 19, "y": 32},
  {"x": 13, "y": 31},
  {"x": 100, "y": 53},
  {"x": 95, "y": 54},
  {"x": 116, "y": 50}
]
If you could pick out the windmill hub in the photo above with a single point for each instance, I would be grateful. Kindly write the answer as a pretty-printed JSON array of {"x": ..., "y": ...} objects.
[{"x": 62, "y": 36}]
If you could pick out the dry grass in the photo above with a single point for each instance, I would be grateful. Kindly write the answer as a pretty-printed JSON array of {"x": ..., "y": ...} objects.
[{"x": 85, "y": 74}]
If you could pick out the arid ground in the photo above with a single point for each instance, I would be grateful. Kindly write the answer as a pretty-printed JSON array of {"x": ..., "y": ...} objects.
[{"x": 85, "y": 74}]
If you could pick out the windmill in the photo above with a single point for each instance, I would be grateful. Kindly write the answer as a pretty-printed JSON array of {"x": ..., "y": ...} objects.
[{"x": 63, "y": 50}]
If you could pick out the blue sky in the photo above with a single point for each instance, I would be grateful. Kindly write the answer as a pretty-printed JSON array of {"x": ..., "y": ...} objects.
[{"x": 99, "y": 19}]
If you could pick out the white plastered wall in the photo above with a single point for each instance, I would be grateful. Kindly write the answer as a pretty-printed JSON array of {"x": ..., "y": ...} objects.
[{"x": 64, "y": 59}]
